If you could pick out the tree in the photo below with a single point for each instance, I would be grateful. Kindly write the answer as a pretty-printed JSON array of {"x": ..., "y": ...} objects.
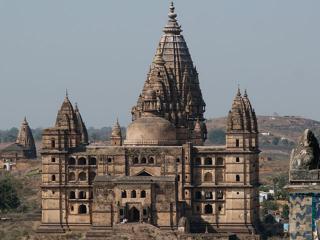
[
  {"x": 285, "y": 211},
  {"x": 270, "y": 205},
  {"x": 9, "y": 198}
]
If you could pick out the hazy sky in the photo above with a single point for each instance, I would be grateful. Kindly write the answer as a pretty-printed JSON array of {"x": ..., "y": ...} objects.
[{"x": 101, "y": 51}]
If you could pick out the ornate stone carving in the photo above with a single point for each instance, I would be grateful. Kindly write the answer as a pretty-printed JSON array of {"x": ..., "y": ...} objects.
[{"x": 306, "y": 155}]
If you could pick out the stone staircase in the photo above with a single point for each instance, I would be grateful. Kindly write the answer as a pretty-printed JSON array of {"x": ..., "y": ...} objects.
[{"x": 130, "y": 231}]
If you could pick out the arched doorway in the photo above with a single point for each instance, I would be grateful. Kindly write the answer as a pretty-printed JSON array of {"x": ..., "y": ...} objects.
[{"x": 134, "y": 215}]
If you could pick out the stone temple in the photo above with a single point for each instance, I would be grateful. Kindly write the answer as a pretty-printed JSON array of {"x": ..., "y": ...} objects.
[
  {"x": 23, "y": 148},
  {"x": 161, "y": 173}
]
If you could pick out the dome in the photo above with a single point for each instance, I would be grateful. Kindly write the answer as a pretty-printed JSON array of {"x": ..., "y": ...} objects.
[{"x": 151, "y": 130}]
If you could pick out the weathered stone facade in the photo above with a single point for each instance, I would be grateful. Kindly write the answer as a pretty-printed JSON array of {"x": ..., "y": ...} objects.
[
  {"x": 304, "y": 189},
  {"x": 161, "y": 173},
  {"x": 23, "y": 148}
]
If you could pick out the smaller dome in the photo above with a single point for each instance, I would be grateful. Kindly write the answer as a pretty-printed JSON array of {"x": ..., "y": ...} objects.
[{"x": 151, "y": 130}]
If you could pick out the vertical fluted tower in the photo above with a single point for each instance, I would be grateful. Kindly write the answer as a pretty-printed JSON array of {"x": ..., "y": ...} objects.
[
  {"x": 25, "y": 139},
  {"x": 174, "y": 78},
  {"x": 116, "y": 136},
  {"x": 242, "y": 127}
]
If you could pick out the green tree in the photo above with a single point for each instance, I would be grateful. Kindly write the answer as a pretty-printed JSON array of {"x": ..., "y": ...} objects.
[
  {"x": 285, "y": 211},
  {"x": 270, "y": 205},
  {"x": 217, "y": 136},
  {"x": 9, "y": 198}
]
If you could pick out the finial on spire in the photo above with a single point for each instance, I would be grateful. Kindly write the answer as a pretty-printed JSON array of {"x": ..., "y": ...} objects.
[
  {"x": 25, "y": 119},
  {"x": 172, "y": 14},
  {"x": 172, "y": 26},
  {"x": 245, "y": 93},
  {"x": 239, "y": 92},
  {"x": 67, "y": 94},
  {"x": 76, "y": 106}
]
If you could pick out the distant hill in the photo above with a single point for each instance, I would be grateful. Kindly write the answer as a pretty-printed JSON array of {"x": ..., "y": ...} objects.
[{"x": 288, "y": 127}]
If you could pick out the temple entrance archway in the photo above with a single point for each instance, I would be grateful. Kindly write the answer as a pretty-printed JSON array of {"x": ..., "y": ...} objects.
[{"x": 134, "y": 215}]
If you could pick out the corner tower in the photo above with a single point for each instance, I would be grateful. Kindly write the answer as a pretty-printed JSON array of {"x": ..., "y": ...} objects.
[
  {"x": 174, "y": 78},
  {"x": 242, "y": 127}
]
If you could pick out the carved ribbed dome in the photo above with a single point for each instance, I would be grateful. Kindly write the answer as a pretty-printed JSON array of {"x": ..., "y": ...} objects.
[{"x": 242, "y": 117}]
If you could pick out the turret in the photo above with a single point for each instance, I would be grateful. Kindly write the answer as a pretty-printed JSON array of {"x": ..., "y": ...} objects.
[
  {"x": 25, "y": 139},
  {"x": 116, "y": 136},
  {"x": 242, "y": 127},
  {"x": 69, "y": 131}
]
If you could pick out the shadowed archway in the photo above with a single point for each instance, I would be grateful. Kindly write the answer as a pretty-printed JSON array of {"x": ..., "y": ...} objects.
[{"x": 133, "y": 215}]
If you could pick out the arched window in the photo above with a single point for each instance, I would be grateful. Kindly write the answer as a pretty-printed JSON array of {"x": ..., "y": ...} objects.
[
  {"x": 178, "y": 160},
  {"x": 237, "y": 159},
  {"x": 82, "y": 176},
  {"x": 82, "y": 161},
  {"x": 208, "y": 209},
  {"x": 53, "y": 178},
  {"x": 208, "y": 177},
  {"x": 151, "y": 160},
  {"x": 238, "y": 178},
  {"x": 133, "y": 194},
  {"x": 136, "y": 160},
  {"x": 219, "y": 194},
  {"x": 71, "y": 208},
  {"x": 198, "y": 195},
  {"x": 208, "y": 195},
  {"x": 82, "y": 209},
  {"x": 124, "y": 194},
  {"x": 208, "y": 161},
  {"x": 82, "y": 195},
  {"x": 178, "y": 178},
  {"x": 72, "y": 161},
  {"x": 53, "y": 143},
  {"x": 72, "y": 195},
  {"x": 219, "y": 161},
  {"x": 92, "y": 161},
  {"x": 143, "y": 160},
  {"x": 143, "y": 194},
  {"x": 72, "y": 176},
  {"x": 92, "y": 175},
  {"x": 197, "y": 161}
]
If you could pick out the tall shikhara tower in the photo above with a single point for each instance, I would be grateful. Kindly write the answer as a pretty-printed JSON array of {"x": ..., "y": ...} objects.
[{"x": 174, "y": 79}]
